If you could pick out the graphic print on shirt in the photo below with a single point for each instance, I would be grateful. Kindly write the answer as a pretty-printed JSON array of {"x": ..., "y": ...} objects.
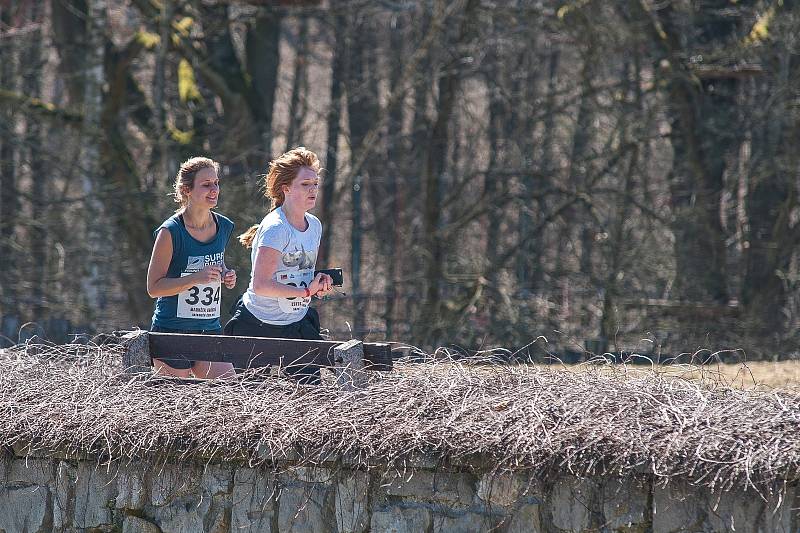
[
  {"x": 201, "y": 300},
  {"x": 298, "y": 272}
]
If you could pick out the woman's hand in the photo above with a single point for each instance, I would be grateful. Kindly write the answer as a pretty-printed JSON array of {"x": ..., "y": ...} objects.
[
  {"x": 321, "y": 286},
  {"x": 229, "y": 278},
  {"x": 209, "y": 274}
]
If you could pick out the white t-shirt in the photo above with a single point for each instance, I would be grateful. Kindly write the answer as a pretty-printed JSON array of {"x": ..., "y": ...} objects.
[{"x": 299, "y": 256}]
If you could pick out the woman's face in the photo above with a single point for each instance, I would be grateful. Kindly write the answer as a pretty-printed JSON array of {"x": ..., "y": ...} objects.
[
  {"x": 304, "y": 188},
  {"x": 205, "y": 192}
]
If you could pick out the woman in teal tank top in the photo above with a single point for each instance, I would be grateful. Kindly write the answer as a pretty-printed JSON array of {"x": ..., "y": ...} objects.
[{"x": 187, "y": 266}]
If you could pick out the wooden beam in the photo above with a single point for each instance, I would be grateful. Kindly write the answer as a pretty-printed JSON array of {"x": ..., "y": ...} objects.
[{"x": 247, "y": 352}]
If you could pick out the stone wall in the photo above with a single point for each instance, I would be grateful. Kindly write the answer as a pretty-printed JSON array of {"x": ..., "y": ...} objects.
[{"x": 47, "y": 494}]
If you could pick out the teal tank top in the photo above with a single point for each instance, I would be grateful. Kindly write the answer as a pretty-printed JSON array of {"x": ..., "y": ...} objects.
[{"x": 198, "y": 307}]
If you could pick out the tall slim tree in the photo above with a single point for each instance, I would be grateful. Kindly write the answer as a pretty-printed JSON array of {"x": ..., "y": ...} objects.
[
  {"x": 95, "y": 275},
  {"x": 703, "y": 120},
  {"x": 339, "y": 33},
  {"x": 31, "y": 84},
  {"x": 771, "y": 236},
  {"x": 431, "y": 321}
]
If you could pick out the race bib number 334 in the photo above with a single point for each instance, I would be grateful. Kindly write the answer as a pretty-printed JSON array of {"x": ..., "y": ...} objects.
[{"x": 200, "y": 301}]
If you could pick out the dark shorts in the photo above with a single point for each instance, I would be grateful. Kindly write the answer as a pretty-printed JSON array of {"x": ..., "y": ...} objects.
[
  {"x": 245, "y": 324},
  {"x": 181, "y": 363}
]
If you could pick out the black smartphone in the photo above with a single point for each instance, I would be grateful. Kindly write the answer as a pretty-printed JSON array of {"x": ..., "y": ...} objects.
[{"x": 335, "y": 274}]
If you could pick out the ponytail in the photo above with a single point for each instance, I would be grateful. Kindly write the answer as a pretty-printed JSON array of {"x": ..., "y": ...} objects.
[{"x": 248, "y": 236}]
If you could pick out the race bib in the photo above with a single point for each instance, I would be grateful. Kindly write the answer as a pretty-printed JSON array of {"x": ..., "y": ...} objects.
[
  {"x": 295, "y": 278},
  {"x": 199, "y": 301}
]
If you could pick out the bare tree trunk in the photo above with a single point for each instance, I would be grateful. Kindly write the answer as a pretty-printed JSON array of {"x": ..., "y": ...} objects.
[
  {"x": 617, "y": 239},
  {"x": 394, "y": 191},
  {"x": 435, "y": 163},
  {"x": 9, "y": 206},
  {"x": 132, "y": 220},
  {"x": 263, "y": 60},
  {"x": 363, "y": 110},
  {"x": 159, "y": 87},
  {"x": 494, "y": 185},
  {"x": 33, "y": 144},
  {"x": 69, "y": 37},
  {"x": 299, "y": 85},
  {"x": 546, "y": 165},
  {"x": 771, "y": 199},
  {"x": 578, "y": 166},
  {"x": 338, "y": 66},
  {"x": 95, "y": 281},
  {"x": 528, "y": 260},
  {"x": 704, "y": 133}
]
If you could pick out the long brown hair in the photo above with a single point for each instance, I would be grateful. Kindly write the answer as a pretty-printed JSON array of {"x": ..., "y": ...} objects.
[
  {"x": 282, "y": 171},
  {"x": 184, "y": 180}
]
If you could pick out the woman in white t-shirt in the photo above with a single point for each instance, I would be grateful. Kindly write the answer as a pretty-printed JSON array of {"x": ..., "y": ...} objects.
[{"x": 284, "y": 253}]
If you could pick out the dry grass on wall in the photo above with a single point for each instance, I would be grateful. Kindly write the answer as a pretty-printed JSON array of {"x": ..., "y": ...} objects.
[{"x": 600, "y": 421}]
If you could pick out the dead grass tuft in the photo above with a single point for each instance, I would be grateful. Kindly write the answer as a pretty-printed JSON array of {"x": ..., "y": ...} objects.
[{"x": 603, "y": 420}]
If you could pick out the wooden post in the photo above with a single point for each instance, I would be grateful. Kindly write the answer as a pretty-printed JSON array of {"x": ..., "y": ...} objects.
[
  {"x": 136, "y": 357},
  {"x": 349, "y": 360}
]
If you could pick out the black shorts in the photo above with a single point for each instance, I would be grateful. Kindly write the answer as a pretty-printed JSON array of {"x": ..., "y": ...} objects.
[
  {"x": 182, "y": 363},
  {"x": 308, "y": 328}
]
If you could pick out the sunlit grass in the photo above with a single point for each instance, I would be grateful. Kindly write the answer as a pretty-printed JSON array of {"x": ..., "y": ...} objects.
[{"x": 751, "y": 375}]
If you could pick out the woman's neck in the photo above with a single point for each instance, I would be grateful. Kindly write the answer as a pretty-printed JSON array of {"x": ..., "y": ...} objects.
[
  {"x": 197, "y": 217},
  {"x": 295, "y": 215}
]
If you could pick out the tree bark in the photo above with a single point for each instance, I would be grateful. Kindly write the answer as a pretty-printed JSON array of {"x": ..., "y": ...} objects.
[
  {"x": 69, "y": 38},
  {"x": 338, "y": 73},
  {"x": 299, "y": 86},
  {"x": 704, "y": 132},
  {"x": 39, "y": 176},
  {"x": 95, "y": 279},
  {"x": 771, "y": 238},
  {"x": 617, "y": 241},
  {"x": 363, "y": 110},
  {"x": 263, "y": 60},
  {"x": 9, "y": 203},
  {"x": 431, "y": 324}
]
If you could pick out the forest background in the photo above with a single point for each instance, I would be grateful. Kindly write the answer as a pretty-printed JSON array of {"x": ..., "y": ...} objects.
[{"x": 622, "y": 173}]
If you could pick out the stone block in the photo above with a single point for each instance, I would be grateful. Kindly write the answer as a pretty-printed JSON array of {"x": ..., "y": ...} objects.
[
  {"x": 697, "y": 509},
  {"x": 307, "y": 509},
  {"x": 625, "y": 503},
  {"x": 136, "y": 355},
  {"x": 466, "y": 522},
  {"x": 349, "y": 360},
  {"x": 217, "y": 479},
  {"x": 449, "y": 487},
  {"x": 183, "y": 514},
  {"x": 400, "y": 520},
  {"x": 31, "y": 471},
  {"x": 352, "y": 503},
  {"x": 173, "y": 481},
  {"x": 24, "y": 506},
  {"x": 311, "y": 474},
  {"x": 454, "y": 487},
  {"x": 131, "y": 487},
  {"x": 525, "y": 519},
  {"x": 64, "y": 495},
  {"x": 415, "y": 484},
  {"x": 253, "y": 501},
  {"x": 134, "y": 524},
  {"x": 95, "y": 495},
  {"x": 501, "y": 489},
  {"x": 568, "y": 505}
]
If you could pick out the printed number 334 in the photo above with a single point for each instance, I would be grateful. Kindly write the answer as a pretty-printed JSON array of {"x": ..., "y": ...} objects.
[{"x": 209, "y": 295}]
